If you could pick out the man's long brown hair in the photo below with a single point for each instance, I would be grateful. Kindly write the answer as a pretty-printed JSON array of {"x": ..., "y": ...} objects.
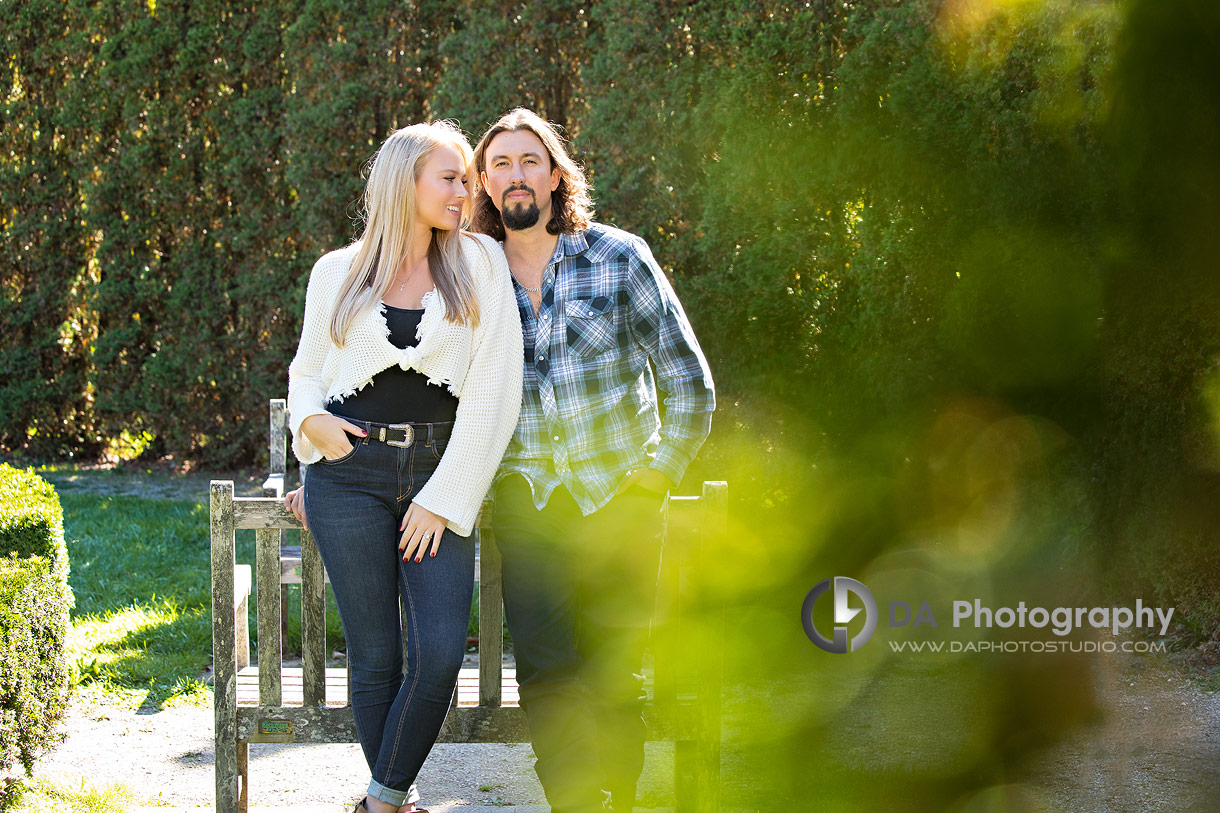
[{"x": 571, "y": 206}]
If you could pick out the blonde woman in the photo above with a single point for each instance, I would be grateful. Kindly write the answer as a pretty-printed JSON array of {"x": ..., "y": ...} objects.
[{"x": 403, "y": 394}]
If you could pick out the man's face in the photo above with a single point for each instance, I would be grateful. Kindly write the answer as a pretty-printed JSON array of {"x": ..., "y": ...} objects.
[{"x": 519, "y": 179}]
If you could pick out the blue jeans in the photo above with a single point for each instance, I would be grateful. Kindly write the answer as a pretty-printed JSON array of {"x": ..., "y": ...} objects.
[
  {"x": 579, "y": 594},
  {"x": 354, "y": 506}
]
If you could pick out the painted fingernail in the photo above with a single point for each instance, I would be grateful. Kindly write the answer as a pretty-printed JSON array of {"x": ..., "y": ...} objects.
[
  {"x": 419, "y": 558},
  {"x": 433, "y": 554}
]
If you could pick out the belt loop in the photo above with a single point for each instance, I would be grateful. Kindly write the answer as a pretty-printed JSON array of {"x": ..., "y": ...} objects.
[{"x": 430, "y": 441}]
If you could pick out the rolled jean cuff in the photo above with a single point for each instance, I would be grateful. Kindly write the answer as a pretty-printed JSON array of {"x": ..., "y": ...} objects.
[{"x": 391, "y": 796}]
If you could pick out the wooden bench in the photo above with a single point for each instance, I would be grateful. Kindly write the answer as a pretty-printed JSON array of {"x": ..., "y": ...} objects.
[{"x": 310, "y": 703}]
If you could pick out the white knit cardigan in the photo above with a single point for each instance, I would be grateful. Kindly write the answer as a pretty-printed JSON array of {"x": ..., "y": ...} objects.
[{"x": 481, "y": 366}]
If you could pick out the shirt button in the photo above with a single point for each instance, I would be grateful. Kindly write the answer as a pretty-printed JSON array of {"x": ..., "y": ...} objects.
[
  {"x": 590, "y": 313},
  {"x": 555, "y": 438}
]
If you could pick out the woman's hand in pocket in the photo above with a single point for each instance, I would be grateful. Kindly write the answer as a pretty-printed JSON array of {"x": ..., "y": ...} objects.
[
  {"x": 420, "y": 529},
  {"x": 329, "y": 434}
]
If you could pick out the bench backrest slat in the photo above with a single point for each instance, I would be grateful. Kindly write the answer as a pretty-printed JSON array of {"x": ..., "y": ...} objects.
[
  {"x": 278, "y": 439},
  {"x": 491, "y": 614},
  {"x": 267, "y": 555},
  {"x": 313, "y": 622}
]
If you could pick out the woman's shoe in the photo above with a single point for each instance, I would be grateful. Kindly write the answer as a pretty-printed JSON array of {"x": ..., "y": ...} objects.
[{"x": 360, "y": 808}]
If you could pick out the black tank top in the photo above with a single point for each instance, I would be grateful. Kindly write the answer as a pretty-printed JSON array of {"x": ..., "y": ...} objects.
[{"x": 397, "y": 395}]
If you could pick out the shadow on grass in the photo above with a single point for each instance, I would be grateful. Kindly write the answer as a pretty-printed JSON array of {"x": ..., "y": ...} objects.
[{"x": 141, "y": 577}]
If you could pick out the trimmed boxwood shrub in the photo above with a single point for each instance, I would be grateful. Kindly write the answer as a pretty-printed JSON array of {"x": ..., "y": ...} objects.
[
  {"x": 34, "y": 603},
  {"x": 31, "y": 519}
]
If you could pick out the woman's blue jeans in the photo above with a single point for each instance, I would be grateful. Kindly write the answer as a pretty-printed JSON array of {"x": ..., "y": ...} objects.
[{"x": 354, "y": 506}]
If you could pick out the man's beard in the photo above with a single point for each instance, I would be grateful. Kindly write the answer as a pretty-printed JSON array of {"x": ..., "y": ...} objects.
[{"x": 519, "y": 217}]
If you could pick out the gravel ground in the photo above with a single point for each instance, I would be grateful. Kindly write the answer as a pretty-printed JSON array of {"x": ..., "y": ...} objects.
[
  {"x": 1157, "y": 748},
  {"x": 166, "y": 758}
]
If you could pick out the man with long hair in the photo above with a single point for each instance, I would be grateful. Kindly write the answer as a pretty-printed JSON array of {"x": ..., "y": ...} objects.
[{"x": 581, "y": 493}]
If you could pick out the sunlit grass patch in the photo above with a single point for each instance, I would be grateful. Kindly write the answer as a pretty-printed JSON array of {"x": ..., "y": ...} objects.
[
  {"x": 38, "y": 795},
  {"x": 144, "y": 653},
  {"x": 142, "y": 630}
]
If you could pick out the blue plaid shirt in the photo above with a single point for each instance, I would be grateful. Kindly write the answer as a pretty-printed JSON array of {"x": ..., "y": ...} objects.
[{"x": 590, "y": 409}]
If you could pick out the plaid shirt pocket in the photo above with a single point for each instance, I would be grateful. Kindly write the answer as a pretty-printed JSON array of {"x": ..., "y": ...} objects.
[{"x": 590, "y": 325}]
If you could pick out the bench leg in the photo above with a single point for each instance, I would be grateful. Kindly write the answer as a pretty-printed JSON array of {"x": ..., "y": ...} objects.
[
  {"x": 684, "y": 776},
  {"x": 229, "y": 784},
  {"x": 696, "y": 776},
  {"x": 243, "y": 776}
]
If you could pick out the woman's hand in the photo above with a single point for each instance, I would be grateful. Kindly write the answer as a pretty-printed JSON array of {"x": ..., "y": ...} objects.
[
  {"x": 419, "y": 528},
  {"x": 328, "y": 433},
  {"x": 294, "y": 501}
]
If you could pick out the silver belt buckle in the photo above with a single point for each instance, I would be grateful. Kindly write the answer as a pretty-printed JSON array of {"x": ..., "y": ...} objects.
[{"x": 408, "y": 429}]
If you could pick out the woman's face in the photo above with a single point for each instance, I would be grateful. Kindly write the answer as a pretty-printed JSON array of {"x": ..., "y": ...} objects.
[{"x": 440, "y": 189}]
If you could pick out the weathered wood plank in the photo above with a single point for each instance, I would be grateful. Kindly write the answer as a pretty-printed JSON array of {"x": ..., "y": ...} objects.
[
  {"x": 316, "y": 724},
  {"x": 223, "y": 645},
  {"x": 262, "y": 512},
  {"x": 241, "y": 615},
  {"x": 292, "y": 682},
  {"x": 313, "y": 622},
  {"x": 491, "y": 613},
  {"x": 243, "y": 776},
  {"x": 709, "y": 635},
  {"x": 666, "y": 629},
  {"x": 267, "y": 554},
  {"x": 278, "y": 423}
]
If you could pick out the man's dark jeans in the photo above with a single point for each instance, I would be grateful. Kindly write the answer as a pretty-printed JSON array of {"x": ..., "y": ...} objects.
[{"x": 578, "y": 596}]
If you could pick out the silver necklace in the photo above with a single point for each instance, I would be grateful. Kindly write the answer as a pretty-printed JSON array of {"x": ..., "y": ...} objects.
[
  {"x": 402, "y": 285},
  {"x": 529, "y": 290}
]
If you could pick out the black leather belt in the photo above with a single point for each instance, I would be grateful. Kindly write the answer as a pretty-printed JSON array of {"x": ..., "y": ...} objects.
[{"x": 404, "y": 434}]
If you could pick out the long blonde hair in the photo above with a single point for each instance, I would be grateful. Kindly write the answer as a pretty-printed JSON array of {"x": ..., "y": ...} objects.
[{"x": 388, "y": 212}]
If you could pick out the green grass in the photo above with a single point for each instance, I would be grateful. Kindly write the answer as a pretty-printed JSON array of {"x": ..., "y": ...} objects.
[
  {"x": 142, "y": 627},
  {"x": 38, "y": 795}
]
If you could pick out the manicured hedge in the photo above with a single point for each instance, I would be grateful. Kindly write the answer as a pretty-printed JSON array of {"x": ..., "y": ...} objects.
[
  {"x": 34, "y": 604},
  {"x": 31, "y": 520}
]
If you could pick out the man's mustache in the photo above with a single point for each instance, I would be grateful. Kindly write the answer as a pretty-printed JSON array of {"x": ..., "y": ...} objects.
[{"x": 518, "y": 188}]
